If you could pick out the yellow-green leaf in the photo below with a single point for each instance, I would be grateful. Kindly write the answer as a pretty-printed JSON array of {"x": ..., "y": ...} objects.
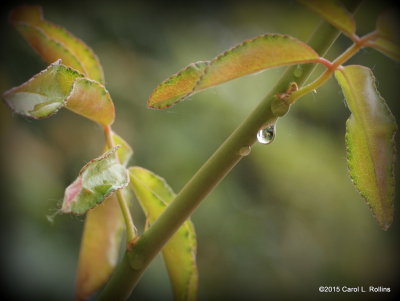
[
  {"x": 179, "y": 253},
  {"x": 333, "y": 12},
  {"x": 99, "y": 247},
  {"x": 58, "y": 86},
  {"x": 53, "y": 42},
  {"x": 97, "y": 180},
  {"x": 388, "y": 40},
  {"x": 251, "y": 56},
  {"x": 125, "y": 151},
  {"x": 370, "y": 145}
]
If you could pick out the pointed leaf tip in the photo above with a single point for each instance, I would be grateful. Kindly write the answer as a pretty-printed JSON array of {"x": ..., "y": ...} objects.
[
  {"x": 179, "y": 254},
  {"x": 96, "y": 181},
  {"x": 370, "y": 144},
  {"x": 177, "y": 87}
]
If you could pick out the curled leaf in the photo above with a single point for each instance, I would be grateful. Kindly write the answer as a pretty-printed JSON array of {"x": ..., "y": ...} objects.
[
  {"x": 53, "y": 42},
  {"x": 179, "y": 253},
  {"x": 251, "y": 56},
  {"x": 60, "y": 86},
  {"x": 333, "y": 12},
  {"x": 97, "y": 180},
  {"x": 370, "y": 145},
  {"x": 100, "y": 245},
  {"x": 388, "y": 40},
  {"x": 101, "y": 238}
]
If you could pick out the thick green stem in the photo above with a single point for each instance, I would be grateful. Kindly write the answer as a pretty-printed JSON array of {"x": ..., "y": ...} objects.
[{"x": 209, "y": 175}]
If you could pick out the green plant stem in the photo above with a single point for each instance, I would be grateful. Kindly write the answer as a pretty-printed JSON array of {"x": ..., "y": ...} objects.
[
  {"x": 123, "y": 204},
  {"x": 209, "y": 175}
]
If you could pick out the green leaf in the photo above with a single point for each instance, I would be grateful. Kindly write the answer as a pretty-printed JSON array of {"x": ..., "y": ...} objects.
[
  {"x": 97, "y": 180},
  {"x": 125, "y": 152},
  {"x": 370, "y": 144},
  {"x": 333, "y": 12},
  {"x": 179, "y": 253},
  {"x": 251, "y": 56},
  {"x": 388, "y": 40},
  {"x": 100, "y": 245},
  {"x": 58, "y": 86},
  {"x": 52, "y": 42}
]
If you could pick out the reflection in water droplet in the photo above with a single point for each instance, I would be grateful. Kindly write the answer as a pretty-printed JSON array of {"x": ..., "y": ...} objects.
[
  {"x": 298, "y": 71},
  {"x": 314, "y": 91},
  {"x": 245, "y": 150},
  {"x": 266, "y": 135}
]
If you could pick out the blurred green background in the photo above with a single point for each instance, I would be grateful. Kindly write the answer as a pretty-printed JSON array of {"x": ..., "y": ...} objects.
[{"x": 284, "y": 222}]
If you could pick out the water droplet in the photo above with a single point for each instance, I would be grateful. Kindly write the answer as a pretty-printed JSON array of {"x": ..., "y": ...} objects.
[
  {"x": 245, "y": 150},
  {"x": 314, "y": 91},
  {"x": 298, "y": 71},
  {"x": 266, "y": 135}
]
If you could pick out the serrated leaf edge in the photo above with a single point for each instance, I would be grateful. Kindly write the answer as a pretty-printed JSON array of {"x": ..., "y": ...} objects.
[
  {"x": 219, "y": 57},
  {"x": 349, "y": 154}
]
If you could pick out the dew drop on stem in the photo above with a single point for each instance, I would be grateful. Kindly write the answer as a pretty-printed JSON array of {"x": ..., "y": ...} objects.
[
  {"x": 245, "y": 150},
  {"x": 266, "y": 135}
]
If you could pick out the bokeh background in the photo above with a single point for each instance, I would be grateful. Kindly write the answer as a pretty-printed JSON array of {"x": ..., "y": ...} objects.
[{"x": 284, "y": 222}]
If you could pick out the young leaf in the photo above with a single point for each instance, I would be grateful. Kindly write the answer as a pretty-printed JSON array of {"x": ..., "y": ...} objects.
[
  {"x": 101, "y": 237},
  {"x": 370, "y": 145},
  {"x": 388, "y": 41},
  {"x": 125, "y": 151},
  {"x": 96, "y": 181},
  {"x": 58, "y": 86},
  {"x": 53, "y": 42},
  {"x": 333, "y": 12},
  {"x": 99, "y": 247},
  {"x": 251, "y": 56},
  {"x": 179, "y": 253}
]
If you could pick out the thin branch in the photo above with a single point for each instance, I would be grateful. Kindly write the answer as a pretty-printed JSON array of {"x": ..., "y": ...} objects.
[{"x": 123, "y": 204}]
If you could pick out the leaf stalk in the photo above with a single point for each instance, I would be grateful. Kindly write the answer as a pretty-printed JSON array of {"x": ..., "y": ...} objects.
[{"x": 126, "y": 213}]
